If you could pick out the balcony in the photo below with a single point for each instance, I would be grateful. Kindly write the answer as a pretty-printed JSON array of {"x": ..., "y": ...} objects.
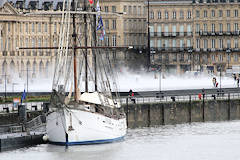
[
  {"x": 170, "y": 34},
  {"x": 220, "y": 33},
  {"x": 173, "y": 49}
]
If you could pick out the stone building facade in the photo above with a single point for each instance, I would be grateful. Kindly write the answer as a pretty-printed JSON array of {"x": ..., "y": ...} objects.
[
  {"x": 22, "y": 30},
  {"x": 185, "y": 35},
  {"x": 198, "y": 35}
]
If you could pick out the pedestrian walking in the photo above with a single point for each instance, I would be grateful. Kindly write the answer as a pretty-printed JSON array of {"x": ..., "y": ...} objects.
[
  {"x": 200, "y": 96},
  {"x": 238, "y": 82},
  {"x": 214, "y": 80},
  {"x": 234, "y": 77}
]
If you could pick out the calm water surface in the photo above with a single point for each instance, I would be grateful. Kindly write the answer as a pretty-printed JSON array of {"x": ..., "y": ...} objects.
[{"x": 197, "y": 141}]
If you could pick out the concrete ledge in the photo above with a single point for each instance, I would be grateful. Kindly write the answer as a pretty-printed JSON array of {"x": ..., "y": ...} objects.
[{"x": 20, "y": 141}]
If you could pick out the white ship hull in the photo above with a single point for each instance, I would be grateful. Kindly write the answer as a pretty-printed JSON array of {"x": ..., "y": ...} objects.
[{"x": 74, "y": 126}]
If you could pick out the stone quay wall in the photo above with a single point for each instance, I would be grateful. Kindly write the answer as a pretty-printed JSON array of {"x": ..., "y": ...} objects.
[{"x": 168, "y": 113}]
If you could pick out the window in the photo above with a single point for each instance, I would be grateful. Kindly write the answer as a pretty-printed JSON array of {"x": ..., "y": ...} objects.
[
  {"x": 213, "y": 57},
  {"x": 166, "y": 14},
  {"x": 189, "y": 29},
  {"x": 228, "y": 43},
  {"x": 236, "y": 43},
  {"x": 139, "y": 10},
  {"x": 205, "y": 13},
  {"x": 26, "y": 42},
  {"x": 181, "y": 30},
  {"x": 33, "y": 27},
  {"x": 9, "y": 27},
  {"x": 213, "y": 13},
  {"x": 197, "y": 14},
  {"x": 174, "y": 43},
  {"x": 236, "y": 57},
  {"x": 45, "y": 27},
  {"x": 235, "y": 27},
  {"x": 151, "y": 15},
  {"x": 106, "y": 8},
  {"x": 125, "y": 9},
  {"x": 213, "y": 27},
  {"x": 159, "y": 15},
  {"x": 134, "y": 10},
  {"x": 205, "y": 28},
  {"x": 114, "y": 24},
  {"x": 114, "y": 40},
  {"x": 205, "y": 44},
  {"x": 220, "y": 27},
  {"x": 181, "y": 14},
  {"x": 220, "y": 43},
  {"x": 159, "y": 43},
  {"x": 228, "y": 13},
  {"x": 174, "y": 30},
  {"x": 228, "y": 27},
  {"x": 159, "y": 30},
  {"x": 220, "y": 58},
  {"x": 151, "y": 30},
  {"x": 166, "y": 30},
  {"x": 46, "y": 42},
  {"x": 129, "y": 9},
  {"x": 39, "y": 42},
  {"x": 220, "y": 13},
  {"x": 114, "y": 9},
  {"x": 213, "y": 43},
  {"x": 55, "y": 27},
  {"x": 151, "y": 43},
  {"x": 166, "y": 43},
  {"x": 107, "y": 24},
  {"x": 174, "y": 15},
  {"x": 181, "y": 44},
  {"x": 39, "y": 27},
  {"x": 197, "y": 27},
  {"x": 26, "y": 28},
  {"x": 235, "y": 13},
  {"x": 198, "y": 43},
  {"x": 189, "y": 43},
  {"x": 33, "y": 42},
  {"x": 189, "y": 15}
]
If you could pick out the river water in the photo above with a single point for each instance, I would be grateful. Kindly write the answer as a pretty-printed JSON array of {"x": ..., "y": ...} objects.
[{"x": 196, "y": 141}]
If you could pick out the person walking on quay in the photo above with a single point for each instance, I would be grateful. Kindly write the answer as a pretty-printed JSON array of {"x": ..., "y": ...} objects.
[
  {"x": 214, "y": 81},
  {"x": 238, "y": 82},
  {"x": 234, "y": 77},
  {"x": 131, "y": 95}
]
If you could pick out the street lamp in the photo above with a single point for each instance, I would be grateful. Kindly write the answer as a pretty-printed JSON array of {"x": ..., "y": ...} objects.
[
  {"x": 228, "y": 51},
  {"x": 190, "y": 53}
]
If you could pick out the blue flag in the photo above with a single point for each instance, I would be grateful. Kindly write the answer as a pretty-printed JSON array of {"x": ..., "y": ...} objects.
[
  {"x": 100, "y": 23},
  {"x": 23, "y": 97}
]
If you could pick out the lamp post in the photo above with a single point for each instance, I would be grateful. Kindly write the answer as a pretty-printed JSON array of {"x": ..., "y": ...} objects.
[
  {"x": 228, "y": 51},
  {"x": 27, "y": 77},
  {"x": 148, "y": 31},
  {"x": 190, "y": 53}
]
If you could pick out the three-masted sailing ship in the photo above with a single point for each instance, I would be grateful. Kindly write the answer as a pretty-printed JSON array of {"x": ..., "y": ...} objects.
[{"x": 91, "y": 116}]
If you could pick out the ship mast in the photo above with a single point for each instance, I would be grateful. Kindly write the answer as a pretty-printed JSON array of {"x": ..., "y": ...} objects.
[
  {"x": 74, "y": 35},
  {"x": 85, "y": 55}
]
